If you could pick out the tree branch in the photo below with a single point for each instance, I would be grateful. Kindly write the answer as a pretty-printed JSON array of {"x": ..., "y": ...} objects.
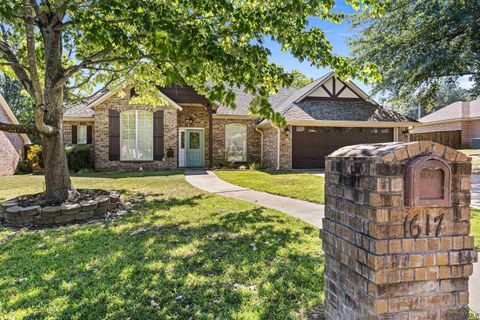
[
  {"x": 35, "y": 78},
  {"x": 18, "y": 128}
]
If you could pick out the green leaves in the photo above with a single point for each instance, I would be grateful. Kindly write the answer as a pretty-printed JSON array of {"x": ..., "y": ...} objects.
[
  {"x": 418, "y": 45},
  {"x": 196, "y": 42}
]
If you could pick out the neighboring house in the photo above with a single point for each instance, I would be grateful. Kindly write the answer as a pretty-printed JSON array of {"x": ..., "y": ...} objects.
[
  {"x": 454, "y": 125},
  {"x": 11, "y": 144},
  {"x": 190, "y": 131}
]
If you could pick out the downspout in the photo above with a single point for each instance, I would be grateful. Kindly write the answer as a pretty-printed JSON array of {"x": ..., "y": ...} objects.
[
  {"x": 261, "y": 145},
  {"x": 278, "y": 146}
]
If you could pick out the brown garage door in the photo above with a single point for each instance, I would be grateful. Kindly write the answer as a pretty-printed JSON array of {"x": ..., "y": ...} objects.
[{"x": 311, "y": 145}]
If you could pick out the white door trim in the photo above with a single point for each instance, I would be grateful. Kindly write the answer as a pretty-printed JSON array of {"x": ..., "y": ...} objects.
[{"x": 182, "y": 153}]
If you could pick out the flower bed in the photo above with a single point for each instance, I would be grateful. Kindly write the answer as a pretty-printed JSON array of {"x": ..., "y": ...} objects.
[{"x": 35, "y": 210}]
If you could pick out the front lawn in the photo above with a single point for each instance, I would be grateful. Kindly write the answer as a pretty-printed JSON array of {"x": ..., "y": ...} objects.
[
  {"x": 291, "y": 184},
  {"x": 181, "y": 254}
]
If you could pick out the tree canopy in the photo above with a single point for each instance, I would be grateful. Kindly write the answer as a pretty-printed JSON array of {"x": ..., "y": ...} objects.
[
  {"x": 67, "y": 50},
  {"x": 419, "y": 46}
]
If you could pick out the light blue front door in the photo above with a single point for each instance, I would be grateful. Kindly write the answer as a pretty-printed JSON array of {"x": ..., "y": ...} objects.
[{"x": 194, "y": 147}]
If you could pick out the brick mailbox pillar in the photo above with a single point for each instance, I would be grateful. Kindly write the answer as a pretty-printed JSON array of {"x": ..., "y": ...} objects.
[{"x": 396, "y": 232}]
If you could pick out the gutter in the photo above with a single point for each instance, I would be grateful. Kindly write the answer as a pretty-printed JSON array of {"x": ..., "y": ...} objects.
[
  {"x": 278, "y": 146},
  {"x": 261, "y": 145}
]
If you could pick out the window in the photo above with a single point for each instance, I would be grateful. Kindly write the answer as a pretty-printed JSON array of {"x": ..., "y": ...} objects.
[
  {"x": 236, "y": 142},
  {"x": 136, "y": 135},
  {"x": 81, "y": 134}
]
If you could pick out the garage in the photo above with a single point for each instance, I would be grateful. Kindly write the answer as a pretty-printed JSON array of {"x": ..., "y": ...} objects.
[{"x": 310, "y": 145}]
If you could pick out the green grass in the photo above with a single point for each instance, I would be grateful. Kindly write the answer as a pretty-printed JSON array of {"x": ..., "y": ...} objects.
[
  {"x": 475, "y": 226},
  {"x": 193, "y": 257},
  {"x": 291, "y": 184}
]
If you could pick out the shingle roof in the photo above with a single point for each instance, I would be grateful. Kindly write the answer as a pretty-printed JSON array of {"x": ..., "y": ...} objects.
[
  {"x": 340, "y": 110},
  {"x": 456, "y": 111},
  {"x": 243, "y": 100},
  {"x": 83, "y": 109}
]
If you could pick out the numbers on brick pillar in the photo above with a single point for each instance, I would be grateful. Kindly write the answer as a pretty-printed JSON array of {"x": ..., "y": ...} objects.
[{"x": 413, "y": 229}]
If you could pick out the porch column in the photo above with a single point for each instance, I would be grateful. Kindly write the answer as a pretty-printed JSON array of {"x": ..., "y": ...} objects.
[{"x": 210, "y": 135}]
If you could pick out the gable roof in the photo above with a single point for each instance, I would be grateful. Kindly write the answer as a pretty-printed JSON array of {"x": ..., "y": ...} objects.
[
  {"x": 327, "y": 99},
  {"x": 322, "y": 100},
  {"x": 4, "y": 105},
  {"x": 84, "y": 110},
  {"x": 460, "y": 110}
]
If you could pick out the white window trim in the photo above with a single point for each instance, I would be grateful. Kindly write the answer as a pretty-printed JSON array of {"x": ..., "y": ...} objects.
[
  {"x": 136, "y": 139},
  {"x": 246, "y": 140},
  {"x": 80, "y": 139}
]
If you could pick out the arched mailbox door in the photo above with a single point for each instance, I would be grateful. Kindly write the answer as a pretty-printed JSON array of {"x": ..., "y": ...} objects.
[{"x": 428, "y": 182}]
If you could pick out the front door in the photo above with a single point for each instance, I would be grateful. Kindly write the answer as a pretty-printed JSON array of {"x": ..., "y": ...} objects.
[{"x": 194, "y": 144}]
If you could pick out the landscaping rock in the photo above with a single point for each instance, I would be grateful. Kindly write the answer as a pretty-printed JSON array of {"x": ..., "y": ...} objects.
[
  {"x": 89, "y": 205},
  {"x": 64, "y": 218},
  {"x": 100, "y": 211},
  {"x": 47, "y": 216},
  {"x": 7, "y": 204},
  {"x": 83, "y": 215},
  {"x": 71, "y": 209},
  {"x": 103, "y": 201}
]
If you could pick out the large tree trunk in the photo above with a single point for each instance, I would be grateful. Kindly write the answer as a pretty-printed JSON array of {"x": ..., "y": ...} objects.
[{"x": 58, "y": 186}]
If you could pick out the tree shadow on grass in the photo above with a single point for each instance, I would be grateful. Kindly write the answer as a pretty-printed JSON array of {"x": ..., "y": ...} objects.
[
  {"x": 223, "y": 264},
  {"x": 125, "y": 174}
]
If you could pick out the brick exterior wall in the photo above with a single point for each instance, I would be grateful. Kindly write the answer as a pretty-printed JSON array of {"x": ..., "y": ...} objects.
[
  {"x": 199, "y": 116},
  {"x": 253, "y": 139},
  {"x": 377, "y": 266},
  {"x": 270, "y": 141},
  {"x": 11, "y": 148},
  {"x": 67, "y": 130},
  {"x": 100, "y": 137}
]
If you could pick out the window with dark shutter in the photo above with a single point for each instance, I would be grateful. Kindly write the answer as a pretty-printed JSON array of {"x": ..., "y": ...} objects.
[
  {"x": 89, "y": 134},
  {"x": 113, "y": 135},
  {"x": 74, "y": 134},
  {"x": 158, "y": 129}
]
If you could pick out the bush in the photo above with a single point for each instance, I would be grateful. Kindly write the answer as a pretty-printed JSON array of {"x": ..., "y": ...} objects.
[
  {"x": 254, "y": 166},
  {"x": 34, "y": 157},
  {"x": 78, "y": 158}
]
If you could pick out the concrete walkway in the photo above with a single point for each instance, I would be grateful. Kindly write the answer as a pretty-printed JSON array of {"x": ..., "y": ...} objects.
[{"x": 311, "y": 213}]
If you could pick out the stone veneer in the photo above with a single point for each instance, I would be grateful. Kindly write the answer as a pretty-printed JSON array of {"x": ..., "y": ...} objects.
[
  {"x": 67, "y": 130},
  {"x": 101, "y": 136},
  {"x": 375, "y": 266},
  {"x": 253, "y": 139}
]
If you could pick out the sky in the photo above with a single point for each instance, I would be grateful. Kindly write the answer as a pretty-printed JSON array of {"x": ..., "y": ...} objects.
[{"x": 337, "y": 34}]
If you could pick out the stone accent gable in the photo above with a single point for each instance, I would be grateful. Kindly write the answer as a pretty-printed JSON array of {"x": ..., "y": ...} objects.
[
  {"x": 101, "y": 136},
  {"x": 253, "y": 139}
]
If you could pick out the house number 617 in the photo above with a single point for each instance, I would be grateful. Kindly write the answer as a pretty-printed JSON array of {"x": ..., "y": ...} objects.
[{"x": 414, "y": 229}]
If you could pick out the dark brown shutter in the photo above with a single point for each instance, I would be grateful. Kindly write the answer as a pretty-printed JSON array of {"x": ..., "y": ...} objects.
[
  {"x": 158, "y": 135},
  {"x": 89, "y": 134},
  {"x": 74, "y": 134},
  {"x": 113, "y": 135}
]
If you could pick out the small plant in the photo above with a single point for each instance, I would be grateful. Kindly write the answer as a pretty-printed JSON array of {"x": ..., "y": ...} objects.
[
  {"x": 34, "y": 157},
  {"x": 254, "y": 166},
  {"x": 78, "y": 158}
]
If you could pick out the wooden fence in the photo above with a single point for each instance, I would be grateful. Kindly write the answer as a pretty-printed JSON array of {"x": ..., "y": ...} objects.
[{"x": 452, "y": 139}]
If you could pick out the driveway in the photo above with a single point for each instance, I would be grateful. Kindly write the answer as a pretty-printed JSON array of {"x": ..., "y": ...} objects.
[
  {"x": 309, "y": 212},
  {"x": 475, "y": 191}
]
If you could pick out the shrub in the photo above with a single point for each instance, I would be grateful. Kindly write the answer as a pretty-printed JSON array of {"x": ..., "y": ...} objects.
[
  {"x": 254, "y": 166},
  {"x": 34, "y": 157},
  {"x": 78, "y": 158},
  {"x": 24, "y": 167}
]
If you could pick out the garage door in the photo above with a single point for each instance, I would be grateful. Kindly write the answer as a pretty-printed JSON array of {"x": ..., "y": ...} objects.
[{"x": 311, "y": 145}]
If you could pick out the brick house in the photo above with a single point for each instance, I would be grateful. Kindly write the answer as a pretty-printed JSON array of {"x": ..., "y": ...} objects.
[
  {"x": 11, "y": 144},
  {"x": 189, "y": 131},
  {"x": 454, "y": 125}
]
